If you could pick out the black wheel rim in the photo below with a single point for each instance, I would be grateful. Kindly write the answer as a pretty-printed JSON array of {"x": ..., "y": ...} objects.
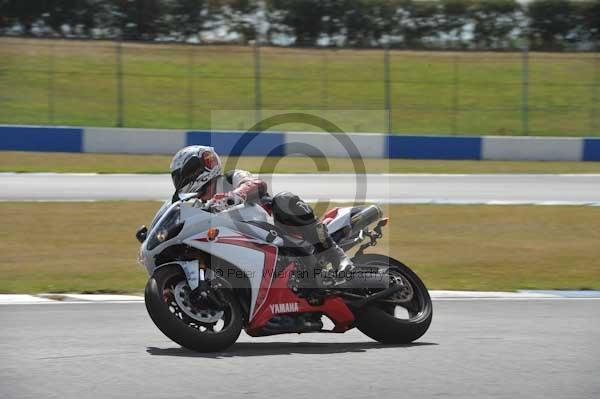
[
  {"x": 416, "y": 309},
  {"x": 168, "y": 299}
]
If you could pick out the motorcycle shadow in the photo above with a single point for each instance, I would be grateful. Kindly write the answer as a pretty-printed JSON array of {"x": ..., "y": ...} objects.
[{"x": 246, "y": 349}]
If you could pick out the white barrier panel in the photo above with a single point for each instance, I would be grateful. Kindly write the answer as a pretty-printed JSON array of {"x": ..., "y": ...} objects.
[
  {"x": 133, "y": 141},
  {"x": 369, "y": 145},
  {"x": 532, "y": 148}
]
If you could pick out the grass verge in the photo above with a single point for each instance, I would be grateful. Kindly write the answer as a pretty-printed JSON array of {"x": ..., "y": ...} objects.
[
  {"x": 77, "y": 247},
  {"x": 13, "y": 161}
]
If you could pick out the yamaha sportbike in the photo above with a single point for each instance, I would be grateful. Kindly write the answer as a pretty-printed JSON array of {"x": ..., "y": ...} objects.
[{"x": 212, "y": 274}]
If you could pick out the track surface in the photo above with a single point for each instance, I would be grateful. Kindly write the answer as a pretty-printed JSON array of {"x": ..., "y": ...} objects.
[
  {"x": 474, "y": 349},
  {"x": 386, "y": 188}
]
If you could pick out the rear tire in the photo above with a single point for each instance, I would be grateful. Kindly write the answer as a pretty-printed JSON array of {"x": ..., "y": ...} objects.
[
  {"x": 176, "y": 328},
  {"x": 376, "y": 321}
]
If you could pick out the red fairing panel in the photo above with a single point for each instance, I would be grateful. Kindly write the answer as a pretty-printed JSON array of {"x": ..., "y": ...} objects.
[
  {"x": 280, "y": 294},
  {"x": 329, "y": 215}
]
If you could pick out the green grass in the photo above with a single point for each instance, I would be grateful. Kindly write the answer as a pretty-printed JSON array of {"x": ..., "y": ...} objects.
[
  {"x": 76, "y": 247},
  {"x": 178, "y": 86},
  {"x": 112, "y": 163}
]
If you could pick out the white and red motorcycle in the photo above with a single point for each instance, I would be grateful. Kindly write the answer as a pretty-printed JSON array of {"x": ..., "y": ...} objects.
[{"x": 214, "y": 274}]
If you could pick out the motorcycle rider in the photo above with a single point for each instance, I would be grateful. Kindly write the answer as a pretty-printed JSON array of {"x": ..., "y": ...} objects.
[{"x": 197, "y": 169}]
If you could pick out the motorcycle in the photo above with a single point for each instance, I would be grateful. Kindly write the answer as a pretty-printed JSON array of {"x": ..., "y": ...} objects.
[{"x": 212, "y": 274}]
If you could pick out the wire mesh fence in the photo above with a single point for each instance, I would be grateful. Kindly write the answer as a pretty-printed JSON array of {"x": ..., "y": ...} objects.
[{"x": 92, "y": 83}]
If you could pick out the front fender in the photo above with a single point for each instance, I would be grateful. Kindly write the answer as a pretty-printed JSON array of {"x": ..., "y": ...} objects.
[{"x": 190, "y": 268}]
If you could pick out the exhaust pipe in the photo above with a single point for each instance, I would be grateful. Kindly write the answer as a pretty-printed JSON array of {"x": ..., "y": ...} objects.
[{"x": 365, "y": 217}]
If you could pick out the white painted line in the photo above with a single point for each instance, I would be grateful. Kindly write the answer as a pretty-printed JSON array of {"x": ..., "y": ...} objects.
[
  {"x": 488, "y": 294},
  {"x": 315, "y": 174},
  {"x": 435, "y": 294},
  {"x": 50, "y": 302},
  {"x": 49, "y": 173},
  {"x": 566, "y": 293},
  {"x": 64, "y": 200},
  {"x": 141, "y": 300},
  {"x": 515, "y": 299},
  {"x": 102, "y": 297},
  {"x": 19, "y": 299},
  {"x": 433, "y": 201},
  {"x": 424, "y": 201}
]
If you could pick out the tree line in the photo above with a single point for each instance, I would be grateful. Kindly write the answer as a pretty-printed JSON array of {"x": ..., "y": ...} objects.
[{"x": 415, "y": 24}]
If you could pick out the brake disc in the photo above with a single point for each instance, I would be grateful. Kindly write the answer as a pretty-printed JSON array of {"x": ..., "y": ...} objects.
[
  {"x": 406, "y": 293},
  {"x": 182, "y": 297}
]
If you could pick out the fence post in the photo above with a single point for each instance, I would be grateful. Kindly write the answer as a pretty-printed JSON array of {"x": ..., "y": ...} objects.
[
  {"x": 190, "y": 92},
  {"x": 455, "y": 83},
  {"x": 119, "y": 78},
  {"x": 387, "y": 94},
  {"x": 325, "y": 81},
  {"x": 595, "y": 87},
  {"x": 257, "y": 91},
  {"x": 525, "y": 86},
  {"x": 51, "y": 73}
]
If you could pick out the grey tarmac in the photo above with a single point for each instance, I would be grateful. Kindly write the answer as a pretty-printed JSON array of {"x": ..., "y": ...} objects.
[
  {"x": 474, "y": 349},
  {"x": 575, "y": 189}
]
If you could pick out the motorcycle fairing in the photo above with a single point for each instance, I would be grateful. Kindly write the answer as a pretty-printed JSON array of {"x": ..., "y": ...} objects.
[
  {"x": 255, "y": 258},
  {"x": 338, "y": 221},
  {"x": 279, "y": 293}
]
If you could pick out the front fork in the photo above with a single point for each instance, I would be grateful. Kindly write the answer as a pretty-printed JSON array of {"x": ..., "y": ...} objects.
[
  {"x": 202, "y": 289},
  {"x": 193, "y": 273}
]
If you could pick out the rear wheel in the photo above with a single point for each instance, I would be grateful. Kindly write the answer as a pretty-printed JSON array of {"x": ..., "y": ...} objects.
[
  {"x": 404, "y": 316},
  {"x": 192, "y": 326}
]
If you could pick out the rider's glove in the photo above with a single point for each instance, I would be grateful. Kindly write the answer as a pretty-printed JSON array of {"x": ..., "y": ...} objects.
[{"x": 223, "y": 201}]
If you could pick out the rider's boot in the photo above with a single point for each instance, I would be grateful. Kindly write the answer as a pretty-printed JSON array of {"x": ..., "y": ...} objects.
[
  {"x": 330, "y": 268},
  {"x": 330, "y": 251},
  {"x": 309, "y": 284},
  {"x": 338, "y": 269}
]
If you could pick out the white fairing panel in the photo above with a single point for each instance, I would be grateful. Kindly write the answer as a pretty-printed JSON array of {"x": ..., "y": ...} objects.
[
  {"x": 341, "y": 220},
  {"x": 242, "y": 243},
  {"x": 248, "y": 260}
]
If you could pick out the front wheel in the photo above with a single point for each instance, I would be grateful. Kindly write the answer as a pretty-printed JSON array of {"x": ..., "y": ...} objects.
[
  {"x": 404, "y": 316},
  {"x": 198, "y": 328}
]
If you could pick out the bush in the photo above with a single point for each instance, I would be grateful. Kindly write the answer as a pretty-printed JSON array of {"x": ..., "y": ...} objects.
[{"x": 478, "y": 24}]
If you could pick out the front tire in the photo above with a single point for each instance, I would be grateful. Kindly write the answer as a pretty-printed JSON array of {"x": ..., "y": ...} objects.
[
  {"x": 178, "y": 326},
  {"x": 378, "y": 320}
]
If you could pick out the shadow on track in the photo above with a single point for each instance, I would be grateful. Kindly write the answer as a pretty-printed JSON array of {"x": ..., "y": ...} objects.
[{"x": 245, "y": 349}]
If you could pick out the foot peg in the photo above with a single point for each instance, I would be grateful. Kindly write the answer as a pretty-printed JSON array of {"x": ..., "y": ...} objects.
[{"x": 358, "y": 279}]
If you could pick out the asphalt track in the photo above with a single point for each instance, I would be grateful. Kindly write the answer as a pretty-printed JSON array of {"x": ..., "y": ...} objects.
[
  {"x": 392, "y": 188},
  {"x": 474, "y": 349}
]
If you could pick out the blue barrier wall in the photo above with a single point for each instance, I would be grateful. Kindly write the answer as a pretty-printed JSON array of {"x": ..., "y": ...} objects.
[
  {"x": 40, "y": 138},
  {"x": 591, "y": 149},
  {"x": 433, "y": 147},
  {"x": 240, "y": 143},
  {"x": 112, "y": 140}
]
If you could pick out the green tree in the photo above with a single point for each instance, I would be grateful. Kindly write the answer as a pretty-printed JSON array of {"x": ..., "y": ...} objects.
[
  {"x": 363, "y": 22},
  {"x": 24, "y": 12},
  {"x": 306, "y": 20},
  {"x": 551, "y": 24},
  {"x": 241, "y": 18},
  {"x": 589, "y": 23},
  {"x": 495, "y": 23},
  {"x": 454, "y": 17},
  {"x": 418, "y": 23}
]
